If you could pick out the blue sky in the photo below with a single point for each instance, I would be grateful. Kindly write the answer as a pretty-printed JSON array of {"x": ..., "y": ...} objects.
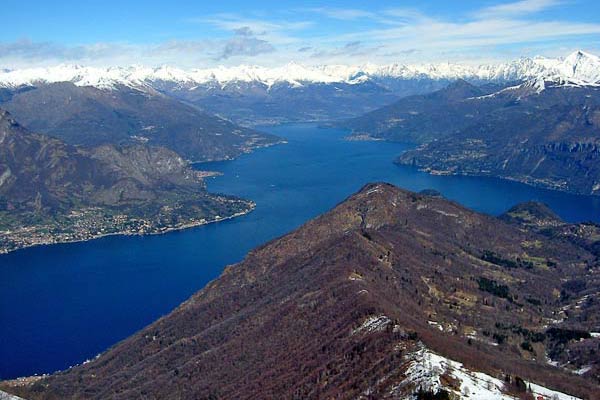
[{"x": 208, "y": 33}]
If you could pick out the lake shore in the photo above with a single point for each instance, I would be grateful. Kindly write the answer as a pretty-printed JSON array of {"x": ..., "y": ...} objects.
[
  {"x": 103, "y": 291},
  {"x": 161, "y": 231}
]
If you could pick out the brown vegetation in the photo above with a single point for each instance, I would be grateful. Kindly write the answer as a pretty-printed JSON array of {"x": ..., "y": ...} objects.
[{"x": 287, "y": 322}]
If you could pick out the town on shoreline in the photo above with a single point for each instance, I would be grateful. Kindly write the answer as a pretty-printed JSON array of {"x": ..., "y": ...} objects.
[{"x": 94, "y": 223}]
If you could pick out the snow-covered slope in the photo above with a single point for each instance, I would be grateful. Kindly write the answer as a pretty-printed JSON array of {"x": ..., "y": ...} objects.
[
  {"x": 104, "y": 78},
  {"x": 578, "y": 68},
  {"x": 426, "y": 370},
  {"x": 8, "y": 396}
]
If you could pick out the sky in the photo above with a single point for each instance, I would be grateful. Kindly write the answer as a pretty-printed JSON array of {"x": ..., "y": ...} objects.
[{"x": 202, "y": 34}]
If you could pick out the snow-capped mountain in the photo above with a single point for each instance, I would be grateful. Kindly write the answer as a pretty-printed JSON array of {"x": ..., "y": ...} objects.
[
  {"x": 579, "y": 68},
  {"x": 255, "y": 95}
]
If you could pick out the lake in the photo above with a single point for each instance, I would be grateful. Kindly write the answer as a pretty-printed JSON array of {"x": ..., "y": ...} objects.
[{"x": 63, "y": 304}]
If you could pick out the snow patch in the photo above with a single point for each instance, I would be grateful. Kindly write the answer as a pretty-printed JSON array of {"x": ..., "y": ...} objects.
[
  {"x": 583, "y": 370},
  {"x": 474, "y": 336},
  {"x": 373, "y": 324},
  {"x": 426, "y": 369},
  {"x": 436, "y": 324},
  {"x": 8, "y": 396}
]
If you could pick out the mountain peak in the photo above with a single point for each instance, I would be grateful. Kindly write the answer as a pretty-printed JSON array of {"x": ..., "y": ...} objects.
[
  {"x": 460, "y": 84},
  {"x": 580, "y": 54},
  {"x": 532, "y": 213},
  {"x": 578, "y": 68},
  {"x": 460, "y": 89}
]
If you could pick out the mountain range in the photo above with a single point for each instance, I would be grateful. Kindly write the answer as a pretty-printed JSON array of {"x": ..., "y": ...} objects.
[
  {"x": 579, "y": 66},
  {"x": 544, "y": 131},
  {"x": 390, "y": 295},
  {"x": 254, "y": 95}
]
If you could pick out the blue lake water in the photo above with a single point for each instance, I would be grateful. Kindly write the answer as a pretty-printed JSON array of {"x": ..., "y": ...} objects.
[{"x": 62, "y": 304}]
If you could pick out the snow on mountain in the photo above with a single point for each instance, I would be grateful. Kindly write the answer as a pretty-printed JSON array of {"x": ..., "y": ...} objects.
[
  {"x": 578, "y": 68},
  {"x": 103, "y": 78},
  {"x": 426, "y": 369},
  {"x": 8, "y": 396}
]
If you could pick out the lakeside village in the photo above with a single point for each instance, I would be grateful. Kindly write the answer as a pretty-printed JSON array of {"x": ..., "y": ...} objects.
[{"x": 96, "y": 222}]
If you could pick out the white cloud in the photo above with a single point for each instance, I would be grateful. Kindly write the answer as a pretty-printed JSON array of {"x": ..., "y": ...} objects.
[
  {"x": 344, "y": 14},
  {"x": 244, "y": 43},
  {"x": 409, "y": 33},
  {"x": 274, "y": 31},
  {"x": 360, "y": 36},
  {"x": 517, "y": 8}
]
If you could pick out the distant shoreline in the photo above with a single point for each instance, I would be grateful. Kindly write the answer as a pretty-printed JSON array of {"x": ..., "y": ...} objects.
[{"x": 124, "y": 233}]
